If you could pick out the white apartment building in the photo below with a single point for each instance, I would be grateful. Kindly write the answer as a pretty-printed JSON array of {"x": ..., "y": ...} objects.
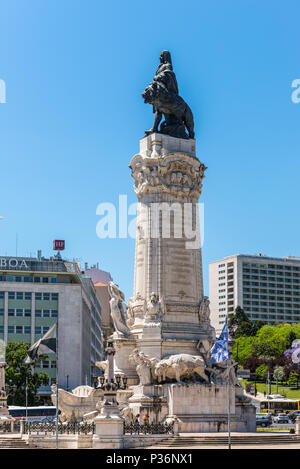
[{"x": 267, "y": 288}]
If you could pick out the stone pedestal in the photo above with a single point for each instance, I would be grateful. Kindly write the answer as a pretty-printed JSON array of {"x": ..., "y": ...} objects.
[
  {"x": 109, "y": 431},
  {"x": 170, "y": 334},
  {"x": 168, "y": 182},
  {"x": 204, "y": 408},
  {"x": 149, "y": 400},
  {"x": 122, "y": 365},
  {"x": 298, "y": 425},
  {"x": 3, "y": 397}
]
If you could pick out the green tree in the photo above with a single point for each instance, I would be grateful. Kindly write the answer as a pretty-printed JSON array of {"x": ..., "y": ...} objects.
[
  {"x": 237, "y": 319},
  {"x": 261, "y": 372},
  {"x": 293, "y": 380},
  {"x": 278, "y": 373},
  {"x": 242, "y": 349},
  {"x": 240, "y": 325},
  {"x": 16, "y": 373}
]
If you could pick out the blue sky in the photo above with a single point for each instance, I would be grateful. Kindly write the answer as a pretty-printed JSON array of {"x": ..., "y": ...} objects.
[{"x": 74, "y": 72}]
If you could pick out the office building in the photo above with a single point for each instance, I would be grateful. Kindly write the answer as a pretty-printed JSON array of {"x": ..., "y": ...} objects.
[
  {"x": 37, "y": 292},
  {"x": 267, "y": 288}
]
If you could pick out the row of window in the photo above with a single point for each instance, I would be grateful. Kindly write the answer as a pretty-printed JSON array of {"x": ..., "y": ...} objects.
[
  {"x": 270, "y": 292},
  {"x": 271, "y": 279},
  {"x": 280, "y": 304},
  {"x": 271, "y": 266},
  {"x": 48, "y": 364},
  {"x": 16, "y": 329},
  {"x": 46, "y": 313},
  {"x": 27, "y": 278},
  {"x": 17, "y": 295},
  {"x": 24, "y": 329},
  {"x": 28, "y": 296},
  {"x": 271, "y": 285},
  {"x": 39, "y": 313}
]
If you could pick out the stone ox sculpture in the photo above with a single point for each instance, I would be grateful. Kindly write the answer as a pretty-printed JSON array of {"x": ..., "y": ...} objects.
[{"x": 180, "y": 366}]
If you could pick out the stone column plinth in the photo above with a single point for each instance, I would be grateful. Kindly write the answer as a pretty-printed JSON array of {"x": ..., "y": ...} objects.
[
  {"x": 168, "y": 182},
  {"x": 298, "y": 425}
]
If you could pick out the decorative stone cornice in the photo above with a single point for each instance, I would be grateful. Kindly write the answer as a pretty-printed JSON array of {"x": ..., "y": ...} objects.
[
  {"x": 176, "y": 174},
  {"x": 167, "y": 165}
]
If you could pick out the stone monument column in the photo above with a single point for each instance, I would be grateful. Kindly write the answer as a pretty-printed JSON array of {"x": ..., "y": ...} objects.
[{"x": 168, "y": 265}]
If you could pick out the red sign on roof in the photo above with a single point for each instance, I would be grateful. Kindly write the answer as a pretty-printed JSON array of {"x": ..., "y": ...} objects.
[{"x": 58, "y": 245}]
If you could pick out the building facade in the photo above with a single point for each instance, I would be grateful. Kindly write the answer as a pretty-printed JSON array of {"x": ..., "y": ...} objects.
[
  {"x": 267, "y": 288},
  {"x": 101, "y": 281},
  {"x": 37, "y": 292}
]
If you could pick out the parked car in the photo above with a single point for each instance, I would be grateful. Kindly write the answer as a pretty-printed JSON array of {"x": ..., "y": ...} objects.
[
  {"x": 294, "y": 415},
  {"x": 263, "y": 420},
  {"x": 281, "y": 418}
]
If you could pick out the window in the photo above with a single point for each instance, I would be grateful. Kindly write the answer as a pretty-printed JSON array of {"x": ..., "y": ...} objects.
[
  {"x": 45, "y": 280},
  {"x": 54, "y": 313},
  {"x": 45, "y": 329},
  {"x": 27, "y": 312},
  {"x": 11, "y": 312},
  {"x": 1, "y": 294},
  {"x": 11, "y": 295},
  {"x": 1, "y": 329},
  {"x": 11, "y": 329},
  {"x": 1, "y": 312},
  {"x": 27, "y": 330},
  {"x": 27, "y": 296},
  {"x": 46, "y": 313},
  {"x": 54, "y": 296},
  {"x": 53, "y": 364},
  {"x": 19, "y": 329},
  {"x": 46, "y": 364},
  {"x": 38, "y": 296},
  {"x": 53, "y": 279},
  {"x": 38, "y": 313},
  {"x": 38, "y": 329},
  {"x": 37, "y": 279},
  {"x": 46, "y": 296},
  {"x": 27, "y": 279},
  {"x": 19, "y": 295},
  {"x": 19, "y": 312}
]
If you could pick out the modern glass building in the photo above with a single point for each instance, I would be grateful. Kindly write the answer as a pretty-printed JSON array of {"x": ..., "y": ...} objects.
[
  {"x": 37, "y": 292},
  {"x": 267, "y": 288}
]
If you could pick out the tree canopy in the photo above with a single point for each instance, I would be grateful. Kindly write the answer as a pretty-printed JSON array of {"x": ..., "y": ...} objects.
[
  {"x": 267, "y": 346},
  {"x": 240, "y": 325},
  {"x": 16, "y": 373}
]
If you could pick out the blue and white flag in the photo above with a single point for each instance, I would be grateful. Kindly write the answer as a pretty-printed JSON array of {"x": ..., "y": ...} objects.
[{"x": 220, "y": 352}]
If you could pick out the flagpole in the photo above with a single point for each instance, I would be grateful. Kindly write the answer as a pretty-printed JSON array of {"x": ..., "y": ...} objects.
[
  {"x": 56, "y": 420},
  {"x": 228, "y": 398},
  {"x": 228, "y": 393},
  {"x": 26, "y": 396}
]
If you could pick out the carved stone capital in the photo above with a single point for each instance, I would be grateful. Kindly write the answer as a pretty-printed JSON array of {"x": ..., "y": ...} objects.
[{"x": 177, "y": 174}]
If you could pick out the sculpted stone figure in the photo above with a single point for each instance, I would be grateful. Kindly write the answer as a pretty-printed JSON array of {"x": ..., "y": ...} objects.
[
  {"x": 204, "y": 310},
  {"x": 144, "y": 366},
  {"x": 155, "y": 308},
  {"x": 221, "y": 371},
  {"x": 180, "y": 366},
  {"x": 162, "y": 93},
  {"x": 117, "y": 309},
  {"x": 204, "y": 347}
]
